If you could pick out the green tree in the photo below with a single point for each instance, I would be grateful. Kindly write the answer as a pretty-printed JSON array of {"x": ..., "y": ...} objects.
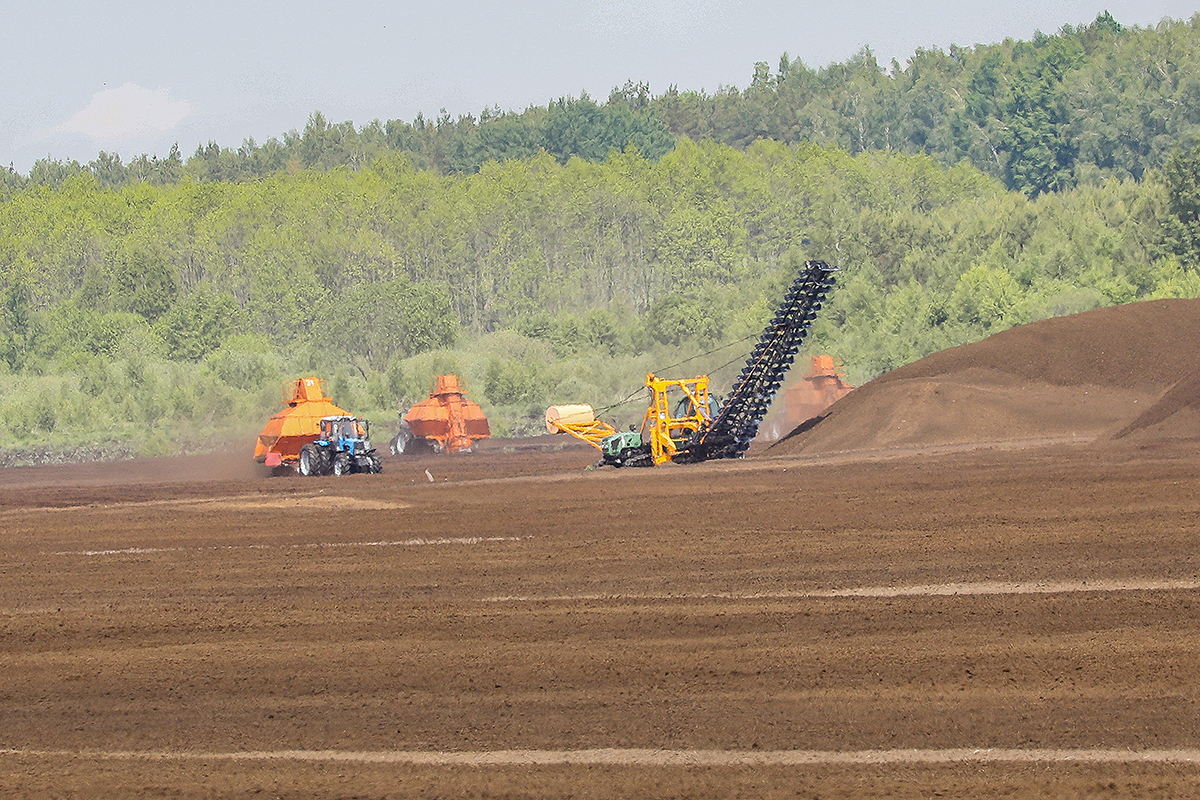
[
  {"x": 1181, "y": 228},
  {"x": 16, "y": 324},
  {"x": 108, "y": 169},
  {"x": 510, "y": 381},
  {"x": 198, "y": 323},
  {"x": 142, "y": 281},
  {"x": 371, "y": 324},
  {"x": 985, "y": 297},
  {"x": 683, "y": 317},
  {"x": 51, "y": 173},
  {"x": 11, "y": 182}
]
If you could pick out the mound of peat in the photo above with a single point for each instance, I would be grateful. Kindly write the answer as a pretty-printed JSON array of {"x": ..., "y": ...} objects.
[{"x": 1122, "y": 371}]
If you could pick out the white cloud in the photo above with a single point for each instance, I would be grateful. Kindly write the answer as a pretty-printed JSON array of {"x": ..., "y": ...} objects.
[{"x": 127, "y": 112}]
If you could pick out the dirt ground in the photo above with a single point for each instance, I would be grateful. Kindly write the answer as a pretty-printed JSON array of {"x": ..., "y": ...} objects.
[{"x": 910, "y": 618}]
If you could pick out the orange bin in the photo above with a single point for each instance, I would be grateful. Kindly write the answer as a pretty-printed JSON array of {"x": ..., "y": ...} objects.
[
  {"x": 824, "y": 385},
  {"x": 447, "y": 419},
  {"x": 305, "y": 403}
]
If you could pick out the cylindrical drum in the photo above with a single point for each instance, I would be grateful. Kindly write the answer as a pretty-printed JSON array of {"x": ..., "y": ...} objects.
[{"x": 557, "y": 416}]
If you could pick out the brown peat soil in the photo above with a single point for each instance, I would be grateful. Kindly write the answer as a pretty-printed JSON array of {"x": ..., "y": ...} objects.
[{"x": 977, "y": 576}]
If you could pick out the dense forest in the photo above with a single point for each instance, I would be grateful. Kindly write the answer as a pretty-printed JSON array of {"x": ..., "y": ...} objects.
[
  {"x": 558, "y": 254},
  {"x": 1076, "y": 107}
]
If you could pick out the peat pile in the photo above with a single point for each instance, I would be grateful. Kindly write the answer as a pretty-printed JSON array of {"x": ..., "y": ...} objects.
[{"x": 1125, "y": 371}]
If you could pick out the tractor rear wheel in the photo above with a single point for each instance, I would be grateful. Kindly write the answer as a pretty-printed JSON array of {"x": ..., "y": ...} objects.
[{"x": 310, "y": 460}]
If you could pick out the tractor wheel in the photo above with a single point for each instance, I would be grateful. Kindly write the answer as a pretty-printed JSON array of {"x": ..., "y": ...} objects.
[
  {"x": 324, "y": 459},
  {"x": 374, "y": 464},
  {"x": 402, "y": 442},
  {"x": 341, "y": 464},
  {"x": 310, "y": 460}
]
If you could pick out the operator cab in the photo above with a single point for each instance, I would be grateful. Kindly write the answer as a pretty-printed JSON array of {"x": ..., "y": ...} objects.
[{"x": 334, "y": 428}]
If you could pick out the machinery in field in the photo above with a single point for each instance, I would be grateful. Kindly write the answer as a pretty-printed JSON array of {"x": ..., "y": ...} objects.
[
  {"x": 305, "y": 403},
  {"x": 684, "y": 422},
  {"x": 343, "y": 446},
  {"x": 823, "y": 386},
  {"x": 310, "y": 431},
  {"x": 446, "y": 422},
  {"x": 678, "y": 410}
]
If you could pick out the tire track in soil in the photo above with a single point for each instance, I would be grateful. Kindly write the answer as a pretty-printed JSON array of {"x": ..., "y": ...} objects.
[
  {"x": 460, "y": 540},
  {"x": 648, "y": 757},
  {"x": 929, "y": 590}
]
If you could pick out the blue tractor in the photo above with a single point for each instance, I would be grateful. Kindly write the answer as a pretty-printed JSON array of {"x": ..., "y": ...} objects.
[{"x": 343, "y": 446}]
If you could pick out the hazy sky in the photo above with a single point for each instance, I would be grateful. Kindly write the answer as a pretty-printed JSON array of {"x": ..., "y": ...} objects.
[{"x": 134, "y": 77}]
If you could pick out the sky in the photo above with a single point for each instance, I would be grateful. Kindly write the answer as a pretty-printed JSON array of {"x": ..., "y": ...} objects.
[{"x": 135, "y": 77}]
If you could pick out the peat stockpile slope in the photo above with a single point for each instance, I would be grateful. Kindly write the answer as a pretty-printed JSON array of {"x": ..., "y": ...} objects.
[
  {"x": 1176, "y": 415},
  {"x": 1122, "y": 371}
]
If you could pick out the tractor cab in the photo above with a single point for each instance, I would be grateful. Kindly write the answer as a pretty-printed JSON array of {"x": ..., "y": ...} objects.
[
  {"x": 346, "y": 433},
  {"x": 687, "y": 407}
]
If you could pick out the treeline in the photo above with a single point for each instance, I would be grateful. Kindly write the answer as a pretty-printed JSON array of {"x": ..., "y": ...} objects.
[
  {"x": 568, "y": 128},
  {"x": 160, "y": 314},
  {"x": 1074, "y": 108},
  {"x": 1063, "y": 110}
]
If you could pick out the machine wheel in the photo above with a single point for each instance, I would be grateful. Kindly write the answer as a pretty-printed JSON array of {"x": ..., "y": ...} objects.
[
  {"x": 368, "y": 463},
  {"x": 310, "y": 460},
  {"x": 402, "y": 442},
  {"x": 341, "y": 464}
]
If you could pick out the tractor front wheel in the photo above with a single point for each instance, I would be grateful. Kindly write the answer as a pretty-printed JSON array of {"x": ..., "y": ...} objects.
[{"x": 341, "y": 464}]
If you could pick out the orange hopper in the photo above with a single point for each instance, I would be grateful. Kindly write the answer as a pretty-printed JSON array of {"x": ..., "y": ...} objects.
[
  {"x": 824, "y": 385},
  {"x": 448, "y": 420},
  {"x": 299, "y": 423}
]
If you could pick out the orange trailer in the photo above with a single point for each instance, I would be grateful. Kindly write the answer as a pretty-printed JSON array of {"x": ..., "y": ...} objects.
[
  {"x": 305, "y": 403},
  {"x": 446, "y": 422}
]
